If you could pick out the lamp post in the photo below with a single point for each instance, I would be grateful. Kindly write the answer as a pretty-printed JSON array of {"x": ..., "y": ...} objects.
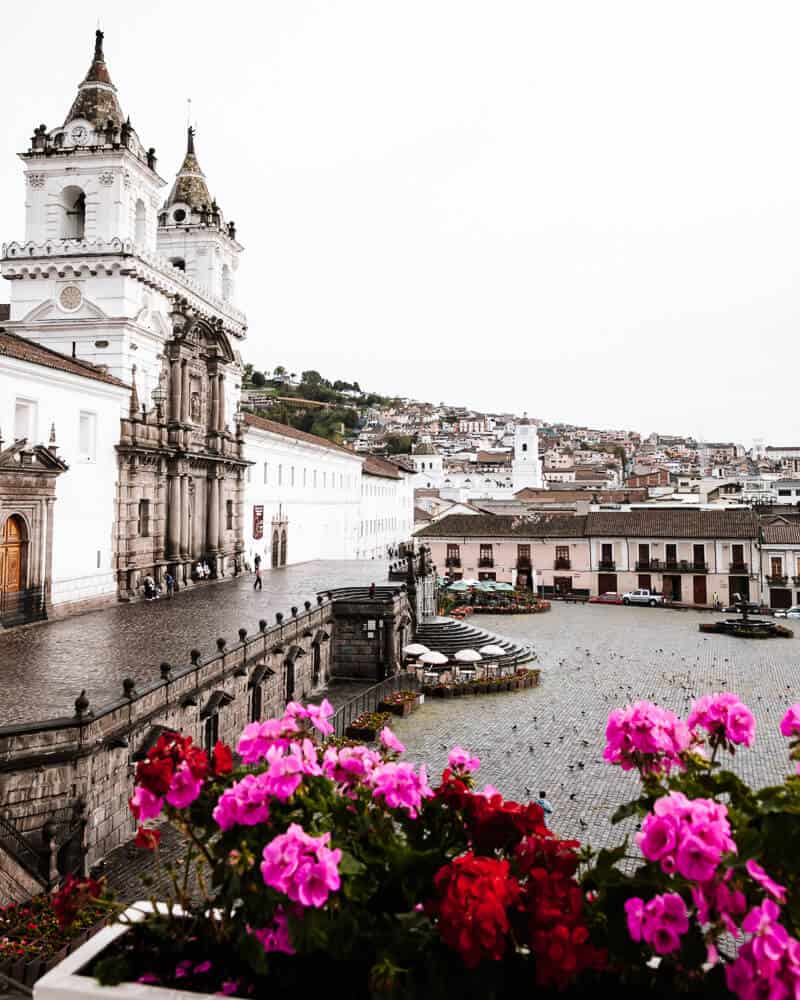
[{"x": 159, "y": 396}]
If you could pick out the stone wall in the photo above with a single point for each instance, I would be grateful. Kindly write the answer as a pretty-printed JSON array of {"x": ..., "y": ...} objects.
[
  {"x": 58, "y": 769},
  {"x": 76, "y": 774}
]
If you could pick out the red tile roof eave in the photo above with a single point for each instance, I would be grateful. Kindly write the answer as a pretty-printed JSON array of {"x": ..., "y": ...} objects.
[
  {"x": 21, "y": 349},
  {"x": 284, "y": 430}
]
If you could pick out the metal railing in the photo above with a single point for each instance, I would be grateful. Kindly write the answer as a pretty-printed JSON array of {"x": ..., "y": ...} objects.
[
  {"x": 607, "y": 566},
  {"x": 23, "y": 852},
  {"x": 739, "y": 567},
  {"x": 775, "y": 580},
  {"x": 562, "y": 564},
  {"x": 368, "y": 700}
]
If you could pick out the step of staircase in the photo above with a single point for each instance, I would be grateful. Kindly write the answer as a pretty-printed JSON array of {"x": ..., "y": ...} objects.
[{"x": 448, "y": 636}]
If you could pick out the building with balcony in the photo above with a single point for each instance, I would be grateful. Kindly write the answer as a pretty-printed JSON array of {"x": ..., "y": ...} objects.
[{"x": 780, "y": 560}]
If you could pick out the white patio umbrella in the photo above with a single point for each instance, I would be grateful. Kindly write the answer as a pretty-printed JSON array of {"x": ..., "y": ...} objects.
[
  {"x": 415, "y": 649},
  {"x": 433, "y": 658},
  {"x": 493, "y": 650},
  {"x": 468, "y": 656}
]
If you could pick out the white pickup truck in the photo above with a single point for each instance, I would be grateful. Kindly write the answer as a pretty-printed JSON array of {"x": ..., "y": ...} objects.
[{"x": 643, "y": 597}]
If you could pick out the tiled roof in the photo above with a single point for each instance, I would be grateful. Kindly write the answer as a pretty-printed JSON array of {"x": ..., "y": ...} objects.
[
  {"x": 493, "y": 457},
  {"x": 505, "y": 526},
  {"x": 12, "y": 346},
  {"x": 374, "y": 466},
  {"x": 635, "y": 495},
  {"x": 673, "y": 524},
  {"x": 781, "y": 534},
  {"x": 421, "y": 515},
  {"x": 284, "y": 430}
]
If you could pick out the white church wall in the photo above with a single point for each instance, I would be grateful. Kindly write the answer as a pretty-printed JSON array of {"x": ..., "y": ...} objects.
[
  {"x": 316, "y": 489},
  {"x": 83, "y": 514}
]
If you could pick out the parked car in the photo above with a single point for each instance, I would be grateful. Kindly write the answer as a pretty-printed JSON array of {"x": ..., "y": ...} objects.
[
  {"x": 608, "y": 598},
  {"x": 643, "y": 597},
  {"x": 793, "y": 612}
]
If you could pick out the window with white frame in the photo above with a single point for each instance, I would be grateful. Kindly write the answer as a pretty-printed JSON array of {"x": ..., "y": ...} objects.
[
  {"x": 25, "y": 413},
  {"x": 87, "y": 436}
]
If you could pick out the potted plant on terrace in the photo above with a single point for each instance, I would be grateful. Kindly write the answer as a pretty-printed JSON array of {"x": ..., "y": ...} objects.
[
  {"x": 400, "y": 703},
  {"x": 367, "y": 726},
  {"x": 321, "y": 865}
]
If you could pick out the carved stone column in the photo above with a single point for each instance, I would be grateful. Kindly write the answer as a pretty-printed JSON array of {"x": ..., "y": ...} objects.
[
  {"x": 214, "y": 422},
  {"x": 212, "y": 519},
  {"x": 173, "y": 516},
  {"x": 221, "y": 403},
  {"x": 174, "y": 389},
  {"x": 184, "y": 517},
  {"x": 184, "y": 392},
  {"x": 222, "y": 512},
  {"x": 198, "y": 518}
]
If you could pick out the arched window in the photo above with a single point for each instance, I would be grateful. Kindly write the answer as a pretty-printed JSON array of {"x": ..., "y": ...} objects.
[
  {"x": 73, "y": 202},
  {"x": 276, "y": 548},
  {"x": 178, "y": 262},
  {"x": 141, "y": 223}
]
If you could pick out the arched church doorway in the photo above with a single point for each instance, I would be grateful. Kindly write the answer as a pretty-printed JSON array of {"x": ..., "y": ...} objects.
[
  {"x": 283, "y": 547},
  {"x": 13, "y": 553}
]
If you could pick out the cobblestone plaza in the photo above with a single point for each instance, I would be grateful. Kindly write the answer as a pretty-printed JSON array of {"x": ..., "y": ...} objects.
[{"x": 595, "y": 658}]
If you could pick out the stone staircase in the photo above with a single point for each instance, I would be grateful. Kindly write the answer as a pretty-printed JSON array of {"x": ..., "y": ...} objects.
[{"x": 448, "y": 636}]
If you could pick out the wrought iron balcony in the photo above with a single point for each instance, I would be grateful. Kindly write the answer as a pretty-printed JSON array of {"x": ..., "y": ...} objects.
[
  {"x": 453, "y": 561},
  {"x": 607, "y": 566},
  {"x": 562, "y": 564},
  {"x": 671, "y": 566},
  {"x": 646, "y": 565},
  {"x": 523, "y": 562},
  {"x": 486, "y": 563},
  {"x": 777, "y": 581},
  {"x": 739, "y": 568},
  {"x": 796, "y": 580}
]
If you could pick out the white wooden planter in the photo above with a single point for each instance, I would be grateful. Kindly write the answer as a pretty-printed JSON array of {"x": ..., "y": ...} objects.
[{"x": 64, "y": 983}]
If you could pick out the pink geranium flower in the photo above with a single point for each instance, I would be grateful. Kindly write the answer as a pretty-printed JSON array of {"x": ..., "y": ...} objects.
[
  {"x": 301, "y": 866},
  {"x": 757, "y": 873},
  {"x": 401, "y": 787},
  {"x": 790, "y": 723},
  {"x": 659, "y": 923},
  {"x": 390, "y": 741},
  {"x": 184, "y": 787},
  {"x": 144, "y": 805},
  {"x": 724, "y": 716},
  {"x": 462, "y": 759}
]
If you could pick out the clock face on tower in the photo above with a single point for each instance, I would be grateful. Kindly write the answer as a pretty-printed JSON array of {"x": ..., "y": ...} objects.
[{"x": 79, "y": 134}]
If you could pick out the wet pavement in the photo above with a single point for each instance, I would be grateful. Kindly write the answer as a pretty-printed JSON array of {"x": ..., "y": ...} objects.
[{"x": 44, "y": 667}]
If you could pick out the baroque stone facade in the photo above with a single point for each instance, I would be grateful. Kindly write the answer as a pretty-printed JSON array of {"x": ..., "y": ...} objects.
[{"x": 181, "y": 468}]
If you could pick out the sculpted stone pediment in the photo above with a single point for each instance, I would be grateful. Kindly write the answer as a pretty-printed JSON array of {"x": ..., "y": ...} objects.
[{"x": 49, "y": 312}]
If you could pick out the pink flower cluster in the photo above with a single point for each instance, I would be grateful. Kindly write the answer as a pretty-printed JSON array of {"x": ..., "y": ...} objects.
[
  {"x": 401, "y": 787},
  {"x": 184, "y": 787},
  {"x": 659, "y": 923},
  {"x": 258, "y": 737},
  {"x": 301, "y": 866},
  {"x": 460, "y": 758},
  {"x": 647, "y": 737},
  {"x": 686, "y": 835},
  {"x": 390, "y": 741},
  {"x": 246, "y": 801},
  {"x": 724, "y": 716},
  {"x": 716, "y": 900},
  {"x": 790, "y": 723},
  {"x": 350, "y": 765},
  {"x": 768, "y": 965},
  {"x": 276, "y": 936}
]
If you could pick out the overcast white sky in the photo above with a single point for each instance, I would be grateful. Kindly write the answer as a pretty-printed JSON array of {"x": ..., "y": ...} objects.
[{"x": 587, "y": 210}]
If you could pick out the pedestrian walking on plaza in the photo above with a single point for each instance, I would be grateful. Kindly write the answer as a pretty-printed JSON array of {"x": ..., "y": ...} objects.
[
  {"x": 546, "y": 807},
  {"x": 257, "y": 581},
  {"x": 256, "y": 562},
  {"x": 169, "y": 580}
]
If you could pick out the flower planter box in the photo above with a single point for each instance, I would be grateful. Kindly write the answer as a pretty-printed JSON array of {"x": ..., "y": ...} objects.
[
  {"x": 363, "y": 733},
  {"x": 29, "y": 971},
  {"x": 401, "y": 708},
  {"x": 65, "y": 982},
  {"x": 442, "y": 692}
]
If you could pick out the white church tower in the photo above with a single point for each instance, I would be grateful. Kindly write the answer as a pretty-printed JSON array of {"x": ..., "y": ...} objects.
[{"x": 525, "y": 468}]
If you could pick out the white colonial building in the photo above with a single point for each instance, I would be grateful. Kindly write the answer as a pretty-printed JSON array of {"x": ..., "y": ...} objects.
[
  {"x": 120, "y": 350},
  {"x": 302, "y": 495},
  {"x": 387, "y": 509}
]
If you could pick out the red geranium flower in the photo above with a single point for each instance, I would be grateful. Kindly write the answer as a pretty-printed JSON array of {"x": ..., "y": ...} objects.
[
  {"x": 493, "y": 824},
  {"x": 147, "y": 838},
  {"x": 155, "y": 774},
  {"x": 223, "y": 758},
  {"x": 475, "y": 895}
]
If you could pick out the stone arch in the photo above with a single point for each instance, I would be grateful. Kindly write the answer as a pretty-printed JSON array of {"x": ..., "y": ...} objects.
[
  {"x": 73, "y": 206},
  {"x": 141, "y": 223},
  {"x": 276, "y": 548}
]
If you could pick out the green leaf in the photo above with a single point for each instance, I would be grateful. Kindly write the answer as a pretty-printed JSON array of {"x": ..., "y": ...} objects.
[{"x": 348, "y": 865}]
